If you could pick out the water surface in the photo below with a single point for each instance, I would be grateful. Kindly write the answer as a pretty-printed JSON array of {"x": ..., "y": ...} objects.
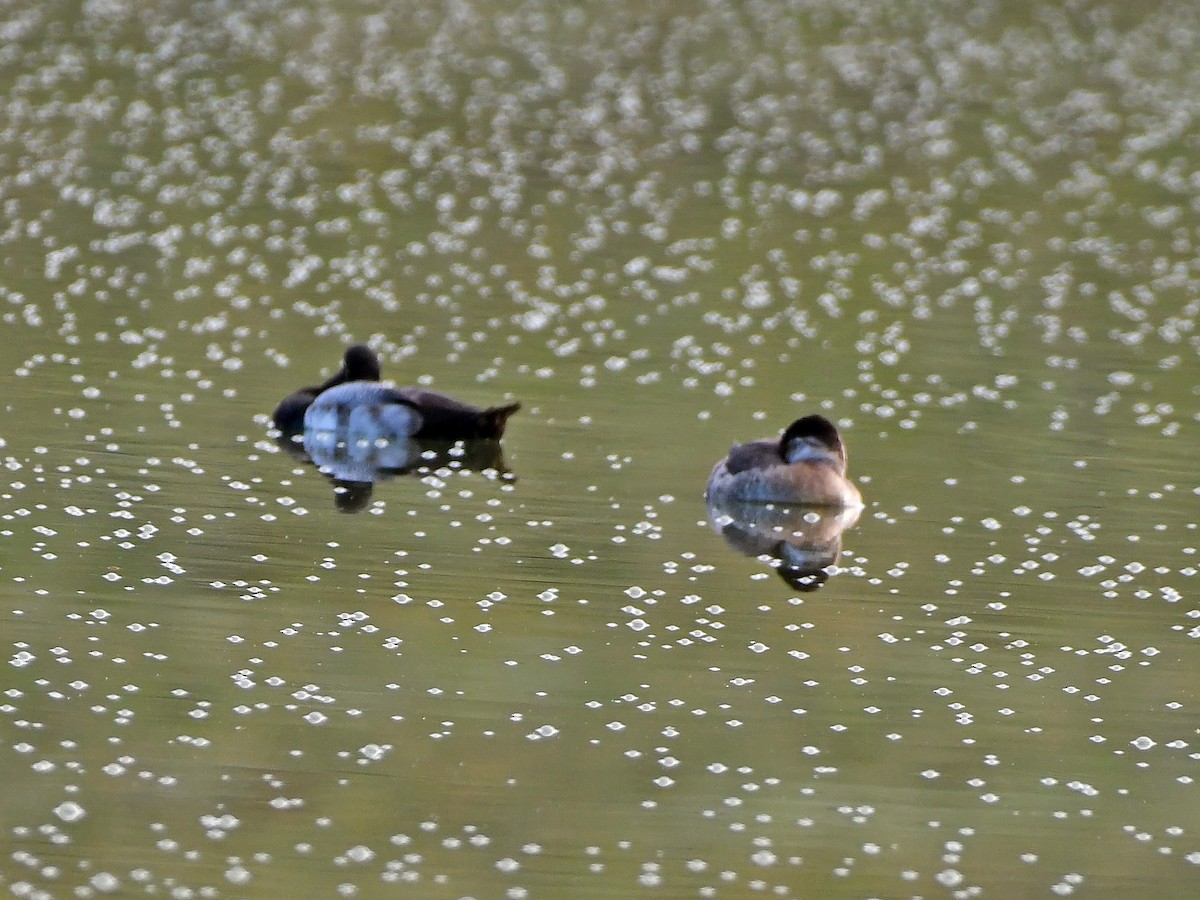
[{"x": 967, "y": 236}]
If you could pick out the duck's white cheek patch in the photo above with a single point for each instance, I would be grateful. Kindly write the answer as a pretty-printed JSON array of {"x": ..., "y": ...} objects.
[{"x": 805, "y": 451}]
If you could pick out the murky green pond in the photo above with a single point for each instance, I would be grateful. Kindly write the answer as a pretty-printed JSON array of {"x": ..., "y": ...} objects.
[{"x": 966, "y": 233}]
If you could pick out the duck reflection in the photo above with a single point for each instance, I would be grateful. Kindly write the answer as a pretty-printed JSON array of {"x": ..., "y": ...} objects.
[
  {"x": 804, "y": 540},
  {"x": 356, "y": 463}
]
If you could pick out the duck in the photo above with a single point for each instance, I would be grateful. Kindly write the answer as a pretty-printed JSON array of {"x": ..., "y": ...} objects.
[
  {"x": 354, "y": 398},
  {"x": 806, "y": 466},
  {"x": 359, "y": 363},
  {"x": 360, "y": 421}
]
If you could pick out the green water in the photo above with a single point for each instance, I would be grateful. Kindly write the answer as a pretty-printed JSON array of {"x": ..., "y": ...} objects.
[{"x": 965, "y": 234}]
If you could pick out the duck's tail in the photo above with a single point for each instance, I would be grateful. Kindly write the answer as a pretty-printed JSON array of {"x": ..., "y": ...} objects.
[{"x": 495, "y": 418}]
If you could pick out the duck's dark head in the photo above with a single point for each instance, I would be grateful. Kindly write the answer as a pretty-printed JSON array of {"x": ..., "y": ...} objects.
[
  {"x": 813, "y": 438},
  {"x": 360, "y": 364}
]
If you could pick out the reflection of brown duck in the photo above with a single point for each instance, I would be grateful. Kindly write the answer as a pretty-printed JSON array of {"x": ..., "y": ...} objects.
[
  {"x": 804, "y": 539},
  {"x": 355, "y": 392},
  {"x": 807, "y": 465}
]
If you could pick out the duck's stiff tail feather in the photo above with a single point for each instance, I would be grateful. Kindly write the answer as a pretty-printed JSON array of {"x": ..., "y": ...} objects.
[{"x": 495, "y": 418}]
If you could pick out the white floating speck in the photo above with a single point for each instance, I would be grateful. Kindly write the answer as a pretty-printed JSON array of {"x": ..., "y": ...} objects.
[{"x": 70, "y": 811}]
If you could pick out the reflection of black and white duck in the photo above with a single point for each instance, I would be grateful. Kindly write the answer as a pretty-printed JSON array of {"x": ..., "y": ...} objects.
[
  {"x": 356, "y": 464},
  {"x": 366, "y": 448},
  {"x": 806, "y": 466},
  {"x": 805, "y": 540},
  {"x": 354, "y": 400}
]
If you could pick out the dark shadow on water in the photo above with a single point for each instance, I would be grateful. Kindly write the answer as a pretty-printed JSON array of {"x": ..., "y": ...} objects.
[
  {"x": 355, "y": 467},
  {"x": 801, "y": 541}
]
